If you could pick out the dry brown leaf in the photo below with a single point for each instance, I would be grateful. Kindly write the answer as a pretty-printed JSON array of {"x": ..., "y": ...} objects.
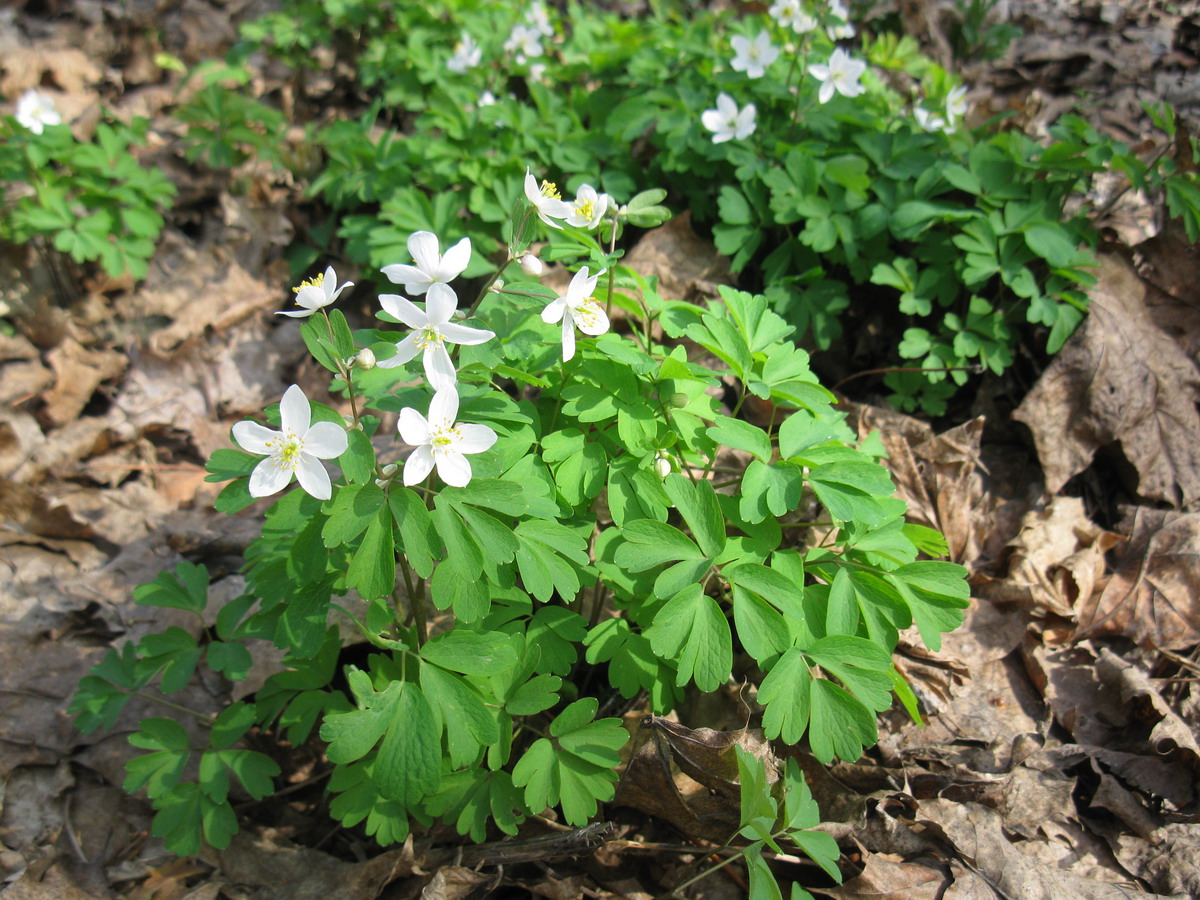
[
  {"x": 889, "y": 877},
  {"x": 1057, "y": 559},
  {"x": 458, "y": 883},
  {"x": 1120, "y": 378},
  {"x": 1153, "y": 595},
  {"x": 683, "y": 263},
  {"x": 78, "y": 372}
]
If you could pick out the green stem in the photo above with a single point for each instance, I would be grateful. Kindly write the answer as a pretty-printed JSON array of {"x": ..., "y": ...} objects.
[
  {"x": 487, "y": 285},
  {"x": 203, "y": 719}
]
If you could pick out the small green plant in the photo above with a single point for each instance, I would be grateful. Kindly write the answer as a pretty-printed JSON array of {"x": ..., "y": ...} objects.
[
  {"x": 92, "y": 201},
  {"x": 225, "y": 126},
  {"x": 573, "y": 497}
]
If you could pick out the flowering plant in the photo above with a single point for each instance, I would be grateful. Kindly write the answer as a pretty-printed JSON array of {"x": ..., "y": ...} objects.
[{"x": 560, "y": 503}]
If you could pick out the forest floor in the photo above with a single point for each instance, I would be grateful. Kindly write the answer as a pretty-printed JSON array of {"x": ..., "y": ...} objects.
[{"x": 1060, "y": 756}]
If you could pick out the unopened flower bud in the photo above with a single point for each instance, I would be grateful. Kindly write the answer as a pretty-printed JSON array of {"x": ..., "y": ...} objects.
[
  {"x": 679, "y": 400},
  {"x": 389, "y": 470},
  {"x": 496, "y": 286},
  {"x": 365, "y": 359},
  {"x": 382, "y": 483},
  {"x": 350, "y": 423},
  {"x": 531, "y": 265},
  {"x": 662, "y": 465}
]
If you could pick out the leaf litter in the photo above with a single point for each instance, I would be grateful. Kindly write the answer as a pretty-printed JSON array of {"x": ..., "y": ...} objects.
[{"x": 1059, "y": 754}]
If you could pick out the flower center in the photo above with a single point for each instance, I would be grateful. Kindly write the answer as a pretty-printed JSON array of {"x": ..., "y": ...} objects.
[
  {"x": 587, "y": 312},
  {"x": 316, "y": 282},
  {"x": 586, "y": 209},
  {"x": 428, "y": 338},
  {"x": 443, "y": 439},
  {"x": 286, "y": 450},
  {"x": 550, "y": 189}
]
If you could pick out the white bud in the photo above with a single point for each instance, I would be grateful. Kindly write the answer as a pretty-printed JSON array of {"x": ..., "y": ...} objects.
[
  {"x": 365, "y": 359},
  {"x": 382, "y": 483},
  {"x": 496, "y": 286},
  {"x": 662, "y": 465},
  {"x": 531, "y": 265},
  {"x": 389, "y": 470}
]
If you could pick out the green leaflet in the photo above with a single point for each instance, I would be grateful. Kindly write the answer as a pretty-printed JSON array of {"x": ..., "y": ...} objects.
[{"x": 692, "y": 630}]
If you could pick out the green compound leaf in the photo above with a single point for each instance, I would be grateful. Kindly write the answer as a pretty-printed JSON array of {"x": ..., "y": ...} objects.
[
  {"x": 573, "y": 768},
  {"x": 840, "y": 725},
  {"x": 545, "y": 559},
  {"x": 741, "y": 435},
  {"x": 186, "y": 589},
  {"x": 103, "y": 695},
  {"x": 650, "y": 543},
  {"x": 770, "y": 490},
  {"x": 936, "y": 594},
  {"x": 861, "y": 665},
  {"x": 459, "y": 709},
  {"x": 691, "y": 631},
  {"x": 351, "y": 510},
  {"x": 785, "y": 693},
  {"x": 408, "y": 764},
  {"x": 254, "y": 770},
  {"x": 174, "y": 653},
  {"x": 800, "y": 814},
  {"x": 472, "y": 800},
  {"x": 471, "y": 652},
  {"x": 159, "y": 770},
  {"x": 417, "y": 534},
  {"x": 372, "y": 570},
  {"x": 358, "y": 801},
  {"x": 697, "y": 503},
  {"x": 185, "y": 814},
  {"x": 632, "y": 663}
]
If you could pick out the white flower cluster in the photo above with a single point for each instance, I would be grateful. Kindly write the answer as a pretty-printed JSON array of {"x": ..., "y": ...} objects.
[
  {"x": 956, "y": 108},
  {"x": 441, "y": 442}
]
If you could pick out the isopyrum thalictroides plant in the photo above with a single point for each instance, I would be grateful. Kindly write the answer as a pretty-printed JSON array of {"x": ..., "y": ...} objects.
[
  {"x": 836, "y": 168},
  {"x": 561, "y": 488}
]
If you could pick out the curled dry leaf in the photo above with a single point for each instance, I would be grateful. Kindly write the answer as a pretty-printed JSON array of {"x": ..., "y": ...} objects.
[
  {"x": 681, "y": 260},
  {"x": 1120, "y": 378},
  {"x": 1153, "y": 595},
  {"x": 1057, "y": 560}
]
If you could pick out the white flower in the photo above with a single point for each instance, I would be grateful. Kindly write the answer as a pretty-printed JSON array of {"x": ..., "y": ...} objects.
[
  {"x": 843, "y": 29},
  {"x": 525, "y": 41},
  {"x": 431, "y": 266},
  {"x": 842, "y": 74},
  {"x": 35, "y": 111},
  {"x": 956, "y": 106},
  {"x": 432, "y": 328},
  {"x": 441, "y": 442},
  {"x": 314, "y": 294},
  {"x": 536, "y": 71},
  {"x": 487, "y": 98},
  {"x": 577, "y": 307},
  {"x": 588, "y": 209},
  {"x": 929, "y": 121},
  {"x": 467, "y": 55},
  {"x": 791, "y": 14},
  {"x": 753, "y": 57},
  {"x": 295, "y": 450},
  {"x": 539, "y": 19},
  {"x": 546, "y": 200},
  {"x": 727, "y": 122},
  {"x": 531, "y": 265}
]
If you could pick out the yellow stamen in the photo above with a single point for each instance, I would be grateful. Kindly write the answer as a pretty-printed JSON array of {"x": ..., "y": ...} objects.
[
  {"x": 586, "y": 209},
  {"x": 550, "y": 189},
  {"x": 428, "y": 337},
  {"x": 315, "y": 281}
]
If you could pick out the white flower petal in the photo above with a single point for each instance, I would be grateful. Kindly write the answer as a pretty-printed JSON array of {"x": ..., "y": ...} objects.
[
  {"x": 405, "y": 351},
  {"x": 413, "y": 279},
  {"x": 423, "y": 247},
  {"x": 403, "y": 309},
  {"x": 439, "y": 369},
  {"x": 826, "y": 92},
  {"x": 554, "y": 311},
  {"x": 313, "y": 477},
  {"x": 443, "y": 409},
  {"x": 726, "y": 105},
  {"x": 440, "y": 303},
  {"x": 596, "y": 323},
  {"x": 475, "y": 438},
  {"x": 455, "y": 261},
  {"x": 326, "y": 440},
  {"x": 453, "y": 468},
  {"x": 568, "y": 338},
  {"x": 419, "y": 465},
  {"x": 462, "y": 334},
  {"x": 296, "y": 313},
  {"x": 294, "y": 412},
  {"x": 712, "y": 120},
  {"x": 269, "y": 478},
  {"x": 413, "y": 427},
  {"x": 253, "y": 437}
]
